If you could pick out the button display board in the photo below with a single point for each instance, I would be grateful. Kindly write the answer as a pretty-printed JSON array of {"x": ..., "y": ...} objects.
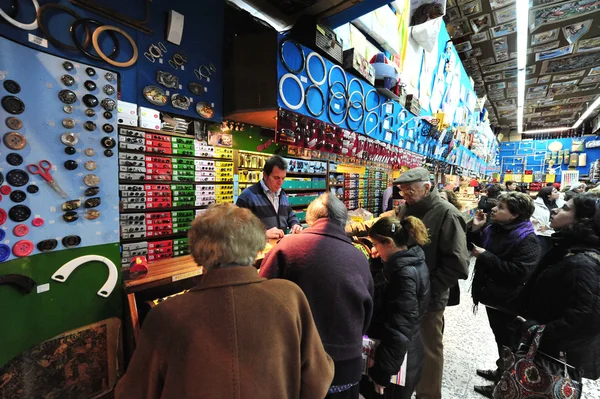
[{"x": 39, "y": 126}]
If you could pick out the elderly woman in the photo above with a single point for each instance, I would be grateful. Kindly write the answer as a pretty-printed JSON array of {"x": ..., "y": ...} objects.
[
  {"x": 336, "y": 279},
  {"x": 563, "y": 294},
  {"x": 235, "y": 334},
  {"x": 507, "y": 251}
]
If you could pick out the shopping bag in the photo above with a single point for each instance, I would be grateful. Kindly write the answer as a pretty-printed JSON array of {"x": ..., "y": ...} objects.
[
  {"x": 368, "y": 357},
  {"x": 529, "y": 373}
]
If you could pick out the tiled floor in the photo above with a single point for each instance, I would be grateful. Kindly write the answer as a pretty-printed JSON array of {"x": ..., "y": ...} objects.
[{"x": 469, "y": 344}]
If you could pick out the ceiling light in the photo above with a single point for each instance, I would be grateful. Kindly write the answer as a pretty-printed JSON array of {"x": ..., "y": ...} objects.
[
  {"x": 587, "y": 113},
  {"x": 549, "y": 130}
]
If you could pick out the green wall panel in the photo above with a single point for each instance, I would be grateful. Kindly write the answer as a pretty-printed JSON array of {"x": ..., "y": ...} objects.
[{"x": 33, "y": 318}]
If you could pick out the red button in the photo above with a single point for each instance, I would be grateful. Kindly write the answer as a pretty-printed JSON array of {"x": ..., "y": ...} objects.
[
  {"x": 5, "y": 190},
  {"x": 22, "y": 248},
  {"x": 20, "y": 230},
  {"x": 3, "y": 216},
  {"x": 37, "y": 222}
]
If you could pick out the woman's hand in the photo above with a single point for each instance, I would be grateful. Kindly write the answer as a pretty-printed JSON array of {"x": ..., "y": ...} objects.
[
  {"x": 378, "y": 388},
  {"x": 374, "y": 253},
  {"x": 477, "y": 251},
  {"x": 479, "y": 220}
]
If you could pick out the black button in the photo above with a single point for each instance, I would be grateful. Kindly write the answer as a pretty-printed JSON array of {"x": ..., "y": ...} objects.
[
  {"x": 107, "y": 114},
  {"x": 19, "y": 213},
  {"x": 91, "y": 86},
  {"x": 71, "y": 165},
  {"x": 71, "y": 241},
  {"x": 67, "y": 80},
  {"x": 32, "y": 189},
  {"x": 13, "y": 105},
  {"x": 18, "y": 196},
  {"x": 90, "y": 126},
  {"x": 108, "y": 128},
  {"x": 17, "y": 177},
  {"x": 14, "y": 159},
  {"x": 1, "y": 178},
  {"x": 92, "y": 202},
  {"x": 90, "y": 112},
  {"x": 12, "y": 87},
  {"x": 90, "y": 100},
  {"x": 68, "y": 66},
  {"x": 70, "y": 150},
  {"x": 47, "y": 245},
  {"x": 108, "y": 153},
  {"x": 67, "y": 96},
  {"x": 108, "y": 142},
  {"x": 70, "y": 216},
  {"x": 92, "y": 191},
  {"x": 90, "y": 71}
]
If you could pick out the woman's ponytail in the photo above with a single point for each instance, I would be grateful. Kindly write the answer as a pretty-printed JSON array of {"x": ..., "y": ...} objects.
[{"x": 416, "y": 229}]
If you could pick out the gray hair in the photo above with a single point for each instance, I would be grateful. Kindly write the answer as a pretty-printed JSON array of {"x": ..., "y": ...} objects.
[
  {"x": 226, "y": 235},
  {"x": 327, "y": 206}
]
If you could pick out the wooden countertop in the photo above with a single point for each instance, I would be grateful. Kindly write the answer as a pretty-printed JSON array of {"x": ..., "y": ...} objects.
[{"x": 170, "y": 270}]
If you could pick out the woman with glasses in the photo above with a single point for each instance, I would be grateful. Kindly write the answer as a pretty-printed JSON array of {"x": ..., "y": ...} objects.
[
  {"x": 544, "y": 204},
  {"x": 564, "y": 293}
]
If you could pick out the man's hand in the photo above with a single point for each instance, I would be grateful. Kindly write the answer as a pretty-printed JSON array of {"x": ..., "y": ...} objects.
[
  {"x": 479, "y": 220},
  {"x": 477, "y": 251},
  {"x": 296, "y": 229},
  {"x": 275, "y": 233}
]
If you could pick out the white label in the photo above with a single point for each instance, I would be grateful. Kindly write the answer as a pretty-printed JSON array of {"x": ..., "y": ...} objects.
[
  {"x": 212, "y": 105},
  {"x": 186, "y": 275},
  {"x": 337, "y": 106},
  {"x": 205, "y": 89},
  {"x": 168, "y": 93},
  {"x": 388, "y": 136},
  {"x": 179, "y": 87},
  {"x": 208, "y": 80},
  {"x": 371, "y": 119},
  {"x": 303, "y": 79},
  {"x": 386, "y": 124},
  {"x": 389, "y": 108},
  {"x": 43, "y": 288},
  {"x": 160, "y": 61},
  {"x": 182, "y": 68},
  {"x": 37, "y": 40}
]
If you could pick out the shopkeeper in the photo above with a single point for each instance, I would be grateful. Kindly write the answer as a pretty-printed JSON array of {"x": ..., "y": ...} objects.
[{"x": 269, "y": 203}]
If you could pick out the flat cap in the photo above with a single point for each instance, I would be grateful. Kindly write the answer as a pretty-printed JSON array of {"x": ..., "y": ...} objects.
[{"x": 413, "y": 175}]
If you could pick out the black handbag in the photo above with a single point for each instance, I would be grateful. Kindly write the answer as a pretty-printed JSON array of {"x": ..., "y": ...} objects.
[{"x": 529, "y": 373}]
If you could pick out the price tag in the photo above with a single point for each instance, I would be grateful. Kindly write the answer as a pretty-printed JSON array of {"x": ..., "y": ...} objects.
[
  {"x": 336, "y": 106},
  {"x": 208, "y": 80},
  {"x": 160, "y": 60},
  {"x": 43, "y": 288},
  {"x": 303, "y": 79},
  {"x": 388, "y": 136},
  {"x": 386, "y": 124},
  {"x": 389, "y": 108},
  {"x": 182, "y": 68},
  {"x": 37, "y": 40},
  {"x": 371, "y": 119}
]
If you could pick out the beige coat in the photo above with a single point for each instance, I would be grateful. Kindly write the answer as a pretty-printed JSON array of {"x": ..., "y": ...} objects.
[{"x": 236, "y": 335}]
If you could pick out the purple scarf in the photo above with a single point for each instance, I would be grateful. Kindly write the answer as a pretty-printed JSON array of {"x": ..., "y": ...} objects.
[{"x": 518, "y": 233}]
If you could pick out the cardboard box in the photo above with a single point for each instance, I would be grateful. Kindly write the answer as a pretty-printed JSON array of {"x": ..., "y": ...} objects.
[
  {"x": 126, "y": 108},
  {"x": 149, "y": 123},
  {"x": 126, "y": 120},
  {"x": 148, "y": 113}
]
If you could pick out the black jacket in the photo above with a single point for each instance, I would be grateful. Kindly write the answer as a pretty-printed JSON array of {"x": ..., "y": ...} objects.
[
  {"x": 401, "y": 300},
  {"x": 564, "y": 294},
  {"x": 502, "y": 270}
]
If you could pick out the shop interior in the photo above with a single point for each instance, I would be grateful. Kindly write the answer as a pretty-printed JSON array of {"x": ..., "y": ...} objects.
[{"x": 121, "y": 124}]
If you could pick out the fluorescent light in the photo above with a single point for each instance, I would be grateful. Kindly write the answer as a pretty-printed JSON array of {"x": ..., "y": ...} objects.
[
  {"x": 549, "y": 130},
  {"x": 521, "y": 88},
  {"x": 587, "y": 113}
]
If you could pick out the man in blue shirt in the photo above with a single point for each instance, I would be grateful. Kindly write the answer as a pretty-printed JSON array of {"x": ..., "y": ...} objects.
[{"x": 268, "y": 201}]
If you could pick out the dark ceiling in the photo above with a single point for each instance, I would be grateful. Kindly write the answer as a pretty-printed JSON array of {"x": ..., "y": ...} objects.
[{"x": 564, "y": 38}]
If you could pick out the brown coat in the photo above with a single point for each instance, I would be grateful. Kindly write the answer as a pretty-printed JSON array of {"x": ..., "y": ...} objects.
[{"x": 236, "y": 335}]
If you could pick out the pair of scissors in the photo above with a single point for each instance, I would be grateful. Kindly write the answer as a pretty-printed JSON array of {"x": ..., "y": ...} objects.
[{"x": 43, "y": 169}]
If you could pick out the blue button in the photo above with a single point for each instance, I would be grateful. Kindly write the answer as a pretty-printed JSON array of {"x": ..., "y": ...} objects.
[
  {"x": 4, "y": 252},
  {"x": 2, "y": 234}
]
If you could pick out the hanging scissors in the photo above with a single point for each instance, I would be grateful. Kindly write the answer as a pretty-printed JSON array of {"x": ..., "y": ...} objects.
[{"x": 43, "y": 169}]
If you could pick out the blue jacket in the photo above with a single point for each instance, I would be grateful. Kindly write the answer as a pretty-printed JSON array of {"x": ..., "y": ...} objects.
[{"x": 255, "y": 199}]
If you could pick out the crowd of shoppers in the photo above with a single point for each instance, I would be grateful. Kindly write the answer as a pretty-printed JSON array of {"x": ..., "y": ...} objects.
[{"x": 295, "y": 329}]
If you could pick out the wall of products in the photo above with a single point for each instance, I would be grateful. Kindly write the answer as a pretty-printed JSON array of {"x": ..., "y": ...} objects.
[
  {"x": 540, "y": 157},
  {"x": 132, "y": 42}
]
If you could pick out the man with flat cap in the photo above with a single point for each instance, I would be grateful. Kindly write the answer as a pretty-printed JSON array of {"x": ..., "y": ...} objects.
[{"x": 447, "y": 258}]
